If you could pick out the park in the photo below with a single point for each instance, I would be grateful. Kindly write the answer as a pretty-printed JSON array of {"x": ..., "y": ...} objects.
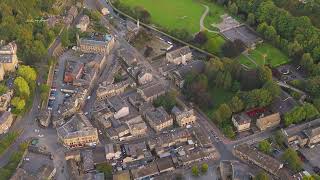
[{"x": 187, "y": 15}]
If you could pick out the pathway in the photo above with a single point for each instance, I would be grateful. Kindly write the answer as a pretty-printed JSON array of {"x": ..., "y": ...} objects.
[
  {"x": 204, "y": 15},
  {"x": 252, "y": 60}
]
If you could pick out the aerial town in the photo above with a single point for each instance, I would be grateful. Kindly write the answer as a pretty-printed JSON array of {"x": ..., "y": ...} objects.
[{"x": 160, "y": 89}]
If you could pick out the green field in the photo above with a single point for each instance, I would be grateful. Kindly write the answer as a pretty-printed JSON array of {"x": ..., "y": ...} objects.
[
  {"x": 273, "y": 56},
  {"x": 184, "y": 14},
  {"x": 177, "y": 14}
]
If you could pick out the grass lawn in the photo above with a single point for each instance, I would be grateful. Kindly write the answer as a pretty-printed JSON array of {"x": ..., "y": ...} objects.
[
  {"x": 178, "y": 14},
  {"x": 219, "y": 96},
  {"x": 184, "y": 14},
  {"x": 245, "y": 61},
  {"x": 274, "y": 56}
]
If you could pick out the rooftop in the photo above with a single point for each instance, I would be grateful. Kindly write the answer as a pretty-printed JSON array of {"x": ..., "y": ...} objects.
[
  {"x": 152, "y": 89},
  {"x": 261, "y": 159},
  {"x": 158, "y": 115},
  {"x": 4, "y": 116},
  {"x": 98, "y": 39},
  {"x": 78, "y": 126},
  {"x": 197, "y": 66},
  {"x": 242, "y": 118},
  {"x": 312, "y": 132},
  {"x": 146, "y": 171},
  {"x": 180, "y": 52},
  {"x": 117, "y": 103}
]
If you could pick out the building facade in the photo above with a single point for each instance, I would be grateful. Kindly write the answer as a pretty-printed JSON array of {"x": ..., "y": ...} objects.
[
  {"x": 179, "y": 56},
  {"x": 268, "y": 121},
  {"x": 6, "y": 120},
  {"x": 159, "y": 119},
  {"x": 184, "y": 117},
  {"x": 102, "y": 44}
]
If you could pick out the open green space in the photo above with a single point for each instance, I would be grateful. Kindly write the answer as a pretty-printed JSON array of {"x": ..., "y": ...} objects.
[
  {"x": 178, "y": 14},
  {"x": 246, "y": 62},
  {"x": 183, "y": 14},
  {"x": 219, "y": 96},
  {"x": 264, "y": 54}
]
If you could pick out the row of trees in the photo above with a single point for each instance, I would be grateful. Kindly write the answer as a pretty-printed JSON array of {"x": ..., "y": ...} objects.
[
  {"x": 301, "y": 113},
  {"x": 195, "y": 169},
  {"x": 138, "y": 12},
  {"x": 24, "y": 86},
  {"x": 17, "y": 24},
  {"x": 294, "y": 35},
  {"x": 307, "y": 8}
]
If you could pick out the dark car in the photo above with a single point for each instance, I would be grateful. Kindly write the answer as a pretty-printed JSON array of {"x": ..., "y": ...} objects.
[{"x": 316, "y": 170}]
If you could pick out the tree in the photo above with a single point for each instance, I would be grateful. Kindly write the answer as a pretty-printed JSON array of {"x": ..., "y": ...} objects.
[
  {"x": 291, "y": 157},
  {"x": 18, "y": 103},
  {"x": 261, "y": 176},
  {"x": 233, "y": 8},
  {"x": 233, "y": 49},
  {"x": 168, "y": 101},
  {"x": 279, "y": 138},
  {"x": 106, "y": 169},
  {"x": 251, "y": 20},
  {"x": 21, "y": 86},
  {"x": 307, "y": 61},
  {"x": 273, "y": 88},
  {"x": 3, "y": 89},
  {"x": 142, "y": 14},
  {"x": 65, "y": 41},
  {"x": 265, "y": 74},
  {"x": 204, "y": 168},
  {"x": 200, "y": 38},
  {"x": 44, "y": 91},
  {"x": 28, "y": 73},
  {"x": 195, "y": 170},
  {"x": 228, "y": 131},
  {"x": 264, "y": 146},
  {"x": 225, "y": 111},
  {"x": 236, "y": 105}
]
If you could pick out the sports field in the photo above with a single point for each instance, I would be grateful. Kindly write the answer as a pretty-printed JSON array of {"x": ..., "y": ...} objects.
[
  {"x": 264, "y": 54},
  {"x": 177, "y": 14}
]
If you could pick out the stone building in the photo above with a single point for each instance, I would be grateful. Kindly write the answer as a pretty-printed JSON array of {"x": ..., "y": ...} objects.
[
  {"x": 159, "y": 119},
  {"x": 8, "y": 58},
  {"x": 268, "y": 121},
  {"x": 183, "y": 117},
  {"x": 6, "y": 120},
  {"x": 241, "y": 121},
  {"x": 96, "y": 44},
  {"x": 83, "y": 23},
  {"x": 151, "y": 91},
  {"x": 78, "y": 132},
  {"x": 5, "y": 100},
  {"x": 179, "y": 56}
]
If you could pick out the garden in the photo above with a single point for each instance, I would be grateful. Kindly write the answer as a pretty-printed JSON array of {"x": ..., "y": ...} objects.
[{"x": 264, "y": 54}]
